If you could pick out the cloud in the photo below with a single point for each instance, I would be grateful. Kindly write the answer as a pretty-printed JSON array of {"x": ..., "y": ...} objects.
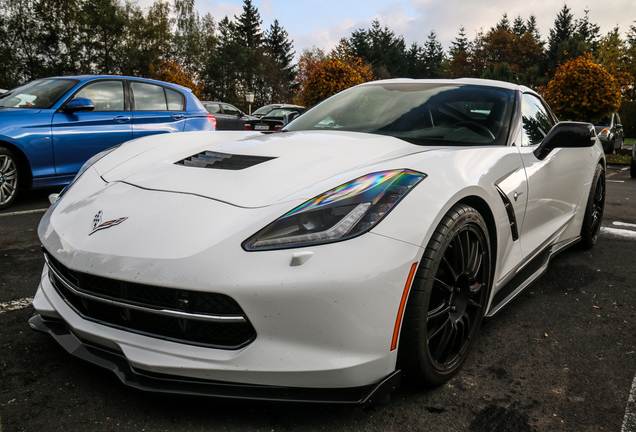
[{"x": 326, "y": 39}]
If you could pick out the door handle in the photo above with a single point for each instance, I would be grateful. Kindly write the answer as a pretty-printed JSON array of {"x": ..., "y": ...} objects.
[
  {"x": 177, "y": 116},
  {"x": 121, "y": 118}
]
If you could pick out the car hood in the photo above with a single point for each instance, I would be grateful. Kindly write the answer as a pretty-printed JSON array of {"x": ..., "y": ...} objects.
[{"x": 262, "y": 169}]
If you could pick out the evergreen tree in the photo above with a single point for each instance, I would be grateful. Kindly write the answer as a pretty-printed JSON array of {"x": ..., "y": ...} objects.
[
  {"x": 504, "y": 23},
  {"x": 533, "y": 29},
  {"x": 433, "y": 57},
  {"x": 249, "y": 27},
  {"x": 519, "y": 27},
  {"x": 460, "y": 44},
  {"x": 283, "y": 72},
  {"x": 587, "y": 31},
  {"x": 381, "y": 48}
]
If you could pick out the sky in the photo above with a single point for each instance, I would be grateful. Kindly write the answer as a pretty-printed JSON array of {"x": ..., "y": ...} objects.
[{"x": 323, "y": 23}]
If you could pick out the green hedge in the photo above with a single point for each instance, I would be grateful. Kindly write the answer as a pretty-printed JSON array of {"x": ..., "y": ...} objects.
[{"x": 628, "y": 118}]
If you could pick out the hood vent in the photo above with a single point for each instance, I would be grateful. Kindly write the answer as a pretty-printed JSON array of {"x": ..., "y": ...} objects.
[{"x": 210, "y": 159}]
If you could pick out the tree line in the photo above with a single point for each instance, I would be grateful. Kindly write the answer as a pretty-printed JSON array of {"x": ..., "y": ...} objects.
[
  {"x": 219, "y": 60},
  {"x": 223, "y": 59}
]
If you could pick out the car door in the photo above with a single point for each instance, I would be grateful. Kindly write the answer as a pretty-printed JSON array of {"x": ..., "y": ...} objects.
[
  {"x": 79, "y": 135},
  {"x": 156, "y": 109},
  {"x": 233, "y": 117},
  {"x": 557, "y": 185}
]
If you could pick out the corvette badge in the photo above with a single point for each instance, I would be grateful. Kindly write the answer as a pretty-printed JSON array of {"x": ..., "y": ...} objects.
[{"x": 98, "y": 225}]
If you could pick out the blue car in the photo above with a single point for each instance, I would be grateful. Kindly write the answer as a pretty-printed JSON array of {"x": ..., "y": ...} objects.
[{"x": 49, "y": 127}]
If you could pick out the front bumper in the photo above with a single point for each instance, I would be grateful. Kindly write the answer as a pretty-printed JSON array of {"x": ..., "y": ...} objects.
[{"x": 157, "y": 383}]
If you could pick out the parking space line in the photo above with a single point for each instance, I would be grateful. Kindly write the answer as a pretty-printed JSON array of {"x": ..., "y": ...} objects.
[
  {"x": 615, "y": 181},
  {"x": 619, "y": 232},
  {"x": 624, "y": 224},
  {"x": 16, "y": 305},
  {"x": 629, "y": 423},
  {"x": 24, "y": 212}
]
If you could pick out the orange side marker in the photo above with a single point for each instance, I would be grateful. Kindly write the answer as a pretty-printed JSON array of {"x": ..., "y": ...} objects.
[{"x": 405, "y": 295}]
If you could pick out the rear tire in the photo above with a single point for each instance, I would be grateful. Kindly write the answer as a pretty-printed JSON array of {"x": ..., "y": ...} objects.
[
  {"x": 448, "y": 299},
  {"x": 632, "y": 168},
  {"x": 594, "y": 210},
  {"x": 8, "y": 178}
]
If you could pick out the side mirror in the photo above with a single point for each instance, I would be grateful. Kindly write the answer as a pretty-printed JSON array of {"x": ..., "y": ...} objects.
[
  {"x": 567, "y": 134},
  {"x": 79, "y": 104},
  {"x": 290, "y": 116}
]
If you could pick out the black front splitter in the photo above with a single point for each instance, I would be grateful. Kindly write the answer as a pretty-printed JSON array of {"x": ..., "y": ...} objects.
[{"x": 160, "y": 383}]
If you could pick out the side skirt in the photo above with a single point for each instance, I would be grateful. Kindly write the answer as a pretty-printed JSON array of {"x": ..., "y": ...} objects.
[{"x": 526, "y": 275}]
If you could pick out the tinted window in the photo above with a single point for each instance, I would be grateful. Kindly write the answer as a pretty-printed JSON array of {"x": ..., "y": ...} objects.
[
  {"x": 37, "y": 94},
  {"x": 213, "y": 108},
  {"x": 265, "y": 109},
  {"x": 105, "y": 95},
  {"x": 149, "y": 97},
  {"x": 229, "y": 109},
  {"x": 537, "y": 121},
  {"x": 176, "y": 101}
]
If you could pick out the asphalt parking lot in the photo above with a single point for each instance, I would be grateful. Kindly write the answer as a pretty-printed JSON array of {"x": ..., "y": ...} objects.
[{"x": 560, "y": 357}]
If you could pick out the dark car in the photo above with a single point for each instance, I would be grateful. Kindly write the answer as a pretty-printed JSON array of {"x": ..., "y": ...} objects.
[
  {"x": 51, "y": 126},
  {"x": 226, "y": 116},
  {"x": 273, "y": 121},
  {"x": 266, "y": 109},
  {"x": 610, "y": 131},
  {"x": 632, "y": 166}
]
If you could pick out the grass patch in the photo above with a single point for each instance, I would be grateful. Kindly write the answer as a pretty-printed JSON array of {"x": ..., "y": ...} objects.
[
  {"x": 629, "y": 141},
  {"x": 618, "y": 159}
]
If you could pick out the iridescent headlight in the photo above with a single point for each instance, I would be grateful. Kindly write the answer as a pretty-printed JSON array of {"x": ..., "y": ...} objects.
[{"x": 341, "y": 213}]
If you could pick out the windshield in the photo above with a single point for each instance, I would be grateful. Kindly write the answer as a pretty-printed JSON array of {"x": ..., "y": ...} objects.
[
  {"x": 421, "y": 113},
  {"x": 605, "y": 121},
  {"x": 39, "y": 94},
  {"x": 265, "y": 109},
  {"x": 280, "y": 112}
]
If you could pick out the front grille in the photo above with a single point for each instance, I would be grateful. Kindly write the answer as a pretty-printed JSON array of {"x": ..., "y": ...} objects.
[{"x": 192, "y": 317}]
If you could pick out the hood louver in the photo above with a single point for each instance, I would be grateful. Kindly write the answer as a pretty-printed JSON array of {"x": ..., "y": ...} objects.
[{"x": 234, "y": 162}]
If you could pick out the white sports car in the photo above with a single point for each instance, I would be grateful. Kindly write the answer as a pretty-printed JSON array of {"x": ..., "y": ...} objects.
[{"x": 361, "y": 245}]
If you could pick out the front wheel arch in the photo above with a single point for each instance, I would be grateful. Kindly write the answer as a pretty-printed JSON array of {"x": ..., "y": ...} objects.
[
  {"x": 448, "y": 298},
  {"x": 24, "y": 167}
]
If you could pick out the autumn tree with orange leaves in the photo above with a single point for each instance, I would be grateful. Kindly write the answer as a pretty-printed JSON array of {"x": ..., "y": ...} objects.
[
  {"x": 582, "y": 90},
  {"x": 320, "y": 76},
  {"x": 172, "y": 72}
]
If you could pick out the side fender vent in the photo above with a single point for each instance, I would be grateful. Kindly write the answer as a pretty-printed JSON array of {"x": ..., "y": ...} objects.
[
  {"x": 511, "y": 214},
  {"x": 233, "y": 162}
]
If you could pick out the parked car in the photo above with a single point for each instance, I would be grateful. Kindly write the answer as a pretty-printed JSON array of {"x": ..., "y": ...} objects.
[
  {"x": 264, "y": 110},
  {"x": 632, "y": 166},
  {"x": 364, "y": 242},
  {"x": 273, "y": 121},
  {"x": 49, "y": 127},
  {"x": 226, "y": 116},
  {"x": 610, "y": 131}
]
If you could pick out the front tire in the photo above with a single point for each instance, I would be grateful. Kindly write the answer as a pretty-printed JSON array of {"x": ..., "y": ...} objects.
[
  {"x": 594, "y": 210},
  {"x": 448, "y": 299},
  {"x": 8, "y": 178}
]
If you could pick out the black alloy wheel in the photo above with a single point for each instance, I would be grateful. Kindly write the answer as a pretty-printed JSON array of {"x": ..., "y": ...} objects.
[
  {"x": 594, "y": 210},
  {"x": 448, "y": 299},
  {"x": 8, "y": 178}
]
